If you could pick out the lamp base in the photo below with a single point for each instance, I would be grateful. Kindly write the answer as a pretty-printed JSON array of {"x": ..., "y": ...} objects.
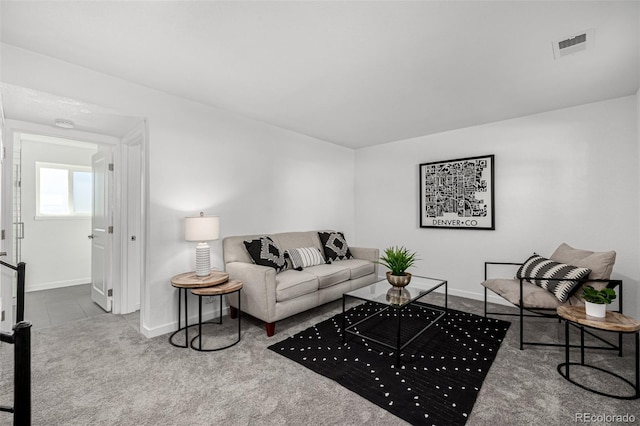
[{"x": 203, "y": 260}]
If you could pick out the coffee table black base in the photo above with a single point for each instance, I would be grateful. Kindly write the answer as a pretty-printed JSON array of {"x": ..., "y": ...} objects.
[
  {"x": 399, "y": 347},
  {"x": 399, "y": 309}
]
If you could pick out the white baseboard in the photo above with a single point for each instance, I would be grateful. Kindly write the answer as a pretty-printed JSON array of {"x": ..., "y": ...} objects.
[
  {"x": 173, "y": 325},
  {"x": 57, "y": 284},
  {"x": 491, "y": 297},
  {"x": 193, "y": 319}
]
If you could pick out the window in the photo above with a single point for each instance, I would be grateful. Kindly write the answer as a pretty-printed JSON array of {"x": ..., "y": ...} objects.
[{"x": 63, "y": 190}]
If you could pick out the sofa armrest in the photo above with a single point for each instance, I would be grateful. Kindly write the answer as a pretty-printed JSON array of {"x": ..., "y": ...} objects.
[
  {"x": 365, "y": 253},
  {"x": 258, "y": 289}
]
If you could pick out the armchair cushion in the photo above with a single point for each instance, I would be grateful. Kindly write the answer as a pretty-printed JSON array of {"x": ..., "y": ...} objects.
[
  {"x": 558, "y": 278},
  {"x": 532, "y": 296},
  {"x": 600, "y": 263}
]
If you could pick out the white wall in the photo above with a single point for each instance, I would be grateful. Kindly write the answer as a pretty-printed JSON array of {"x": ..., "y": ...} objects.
[
  {"x": 257, "y": 177},
  {"x": 57, "y": 251},
  {"x": 562, "y": 176},
  {"x": 568, "y": 175}
]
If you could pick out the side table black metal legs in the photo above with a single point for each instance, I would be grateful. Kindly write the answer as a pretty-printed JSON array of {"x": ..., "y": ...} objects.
[
  {"x": 567, "y": 364},
  {"x": 186, "y": 321},
  {"x": 188, "y": 281},
  {"x": 227, "y": 288}
]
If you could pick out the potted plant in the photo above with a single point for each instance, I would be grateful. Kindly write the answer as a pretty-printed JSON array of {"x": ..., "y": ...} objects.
[
  {"x": 596, "y": 301},
  {"x": 398, "y": 260}
]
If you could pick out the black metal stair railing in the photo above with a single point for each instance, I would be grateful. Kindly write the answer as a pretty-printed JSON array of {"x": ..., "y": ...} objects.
[{"x": 20, "y": 338}]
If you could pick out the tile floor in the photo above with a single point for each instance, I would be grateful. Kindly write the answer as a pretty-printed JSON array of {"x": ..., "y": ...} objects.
[{"x": 47, "y": 308}]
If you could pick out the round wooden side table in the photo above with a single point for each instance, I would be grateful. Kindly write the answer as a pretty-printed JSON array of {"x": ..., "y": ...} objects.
[
  {"x": 231, "y": 286},
  {"x": 613, "y": 322},
  {"x": 188, "y": 281}
]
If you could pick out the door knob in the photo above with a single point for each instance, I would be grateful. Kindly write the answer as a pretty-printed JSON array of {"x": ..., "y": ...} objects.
[{"x": 91, "y": 237}]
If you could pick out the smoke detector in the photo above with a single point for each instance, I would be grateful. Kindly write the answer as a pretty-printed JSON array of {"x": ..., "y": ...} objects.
[
  {"x": 65, "y": 124},
  {"x": 574, "y": 43}
]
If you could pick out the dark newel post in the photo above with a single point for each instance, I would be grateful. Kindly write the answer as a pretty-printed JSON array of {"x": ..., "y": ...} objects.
[
  {"x": 22, "y": 380},
  {"x": 20, "y": 296}
]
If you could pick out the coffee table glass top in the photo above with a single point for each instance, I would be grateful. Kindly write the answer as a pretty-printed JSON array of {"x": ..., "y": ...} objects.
[{"x": 385, "y": 293}]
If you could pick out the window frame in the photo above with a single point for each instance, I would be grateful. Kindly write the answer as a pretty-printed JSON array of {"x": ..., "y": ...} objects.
[{"x": 70, "y": 168}]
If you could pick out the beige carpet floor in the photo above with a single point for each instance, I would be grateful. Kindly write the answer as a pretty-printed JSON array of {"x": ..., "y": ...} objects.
[{"x": 100, "y": 371}]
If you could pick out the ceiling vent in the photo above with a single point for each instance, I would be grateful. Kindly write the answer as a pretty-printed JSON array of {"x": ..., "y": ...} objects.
[{"x": 573, "y": 44}]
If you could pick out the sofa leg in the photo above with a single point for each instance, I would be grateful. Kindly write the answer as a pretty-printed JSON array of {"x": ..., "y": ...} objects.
[
  {"x": 233, "y": 312},
  {"x": 271, "y": 328}
]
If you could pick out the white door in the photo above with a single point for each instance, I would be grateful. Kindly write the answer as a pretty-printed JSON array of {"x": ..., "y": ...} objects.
[
  {"x": 132, "y": 280},
  {"x": 6, "y": 289},
  {"x": 100, "y": 235}
]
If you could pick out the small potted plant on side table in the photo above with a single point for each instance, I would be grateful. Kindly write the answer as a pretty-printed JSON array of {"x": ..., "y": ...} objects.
[
  {"x": 596, "y": 301},
  {"x": 398, "y": 260}
]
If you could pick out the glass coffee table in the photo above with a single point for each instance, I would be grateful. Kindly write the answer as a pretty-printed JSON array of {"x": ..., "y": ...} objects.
[{"x": 395, "y": 301}]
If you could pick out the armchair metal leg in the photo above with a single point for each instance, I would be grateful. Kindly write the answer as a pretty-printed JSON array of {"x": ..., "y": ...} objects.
[
  {"x": 521, "y": 326},
  {"x": 521, "y": 306},
  {"x": 485, "y": 302}
]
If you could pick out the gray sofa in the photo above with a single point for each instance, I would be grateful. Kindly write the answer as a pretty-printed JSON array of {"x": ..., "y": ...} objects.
[{"x": 270, "y": 295}]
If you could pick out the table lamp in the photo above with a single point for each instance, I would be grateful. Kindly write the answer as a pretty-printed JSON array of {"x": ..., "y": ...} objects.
[{"x": 202, "y": 229}]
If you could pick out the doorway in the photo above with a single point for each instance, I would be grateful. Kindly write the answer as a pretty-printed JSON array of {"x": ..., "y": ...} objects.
[
  {"x": 52, "y": 210},
  {"x": 120, "y": 284},
  {"x": 52, "y": 219}
]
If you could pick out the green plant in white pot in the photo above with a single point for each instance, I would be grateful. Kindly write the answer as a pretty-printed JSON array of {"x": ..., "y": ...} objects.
[
  {"x": 596, "y": 301},
  {"x": 398, "y": 260}
]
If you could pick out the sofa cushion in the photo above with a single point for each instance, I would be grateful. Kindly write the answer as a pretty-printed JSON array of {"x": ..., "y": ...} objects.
[
  {"x": 558, "y": 278},
  {"x": 532, "y": 295},
  {"x": 304, "y": 257},
  {"x": 357, "y": 267},
  {"x": 289, "y": 240},
  {"x": 265, "y": 252},
  {"x": 291, "y": 284},
  {"x": 329, "y": 274},
  {"x": 335, "y": 246}
]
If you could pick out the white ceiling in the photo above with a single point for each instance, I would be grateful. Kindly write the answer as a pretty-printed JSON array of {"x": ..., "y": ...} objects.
[
  {"x": 353, "y": 73},
  {"x": 44, "y": 108}
]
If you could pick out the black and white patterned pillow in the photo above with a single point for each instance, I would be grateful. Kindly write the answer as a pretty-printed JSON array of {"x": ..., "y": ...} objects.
[
  {"x": 265, "y": 252},
  {"x": 558, "y": 278},
  {"x": 304, "y": 257},
  {"x": 335, "y": 246}
]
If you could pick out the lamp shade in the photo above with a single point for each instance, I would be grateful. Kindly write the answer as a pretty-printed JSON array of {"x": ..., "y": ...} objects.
[{"x": 201, "y": 228}]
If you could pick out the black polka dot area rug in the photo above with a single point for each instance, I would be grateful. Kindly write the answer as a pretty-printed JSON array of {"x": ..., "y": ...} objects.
[{"x": 440, "y": 373}]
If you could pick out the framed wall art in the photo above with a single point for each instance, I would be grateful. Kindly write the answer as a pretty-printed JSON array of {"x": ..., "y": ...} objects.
[{"x": 457, "y": 193}]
